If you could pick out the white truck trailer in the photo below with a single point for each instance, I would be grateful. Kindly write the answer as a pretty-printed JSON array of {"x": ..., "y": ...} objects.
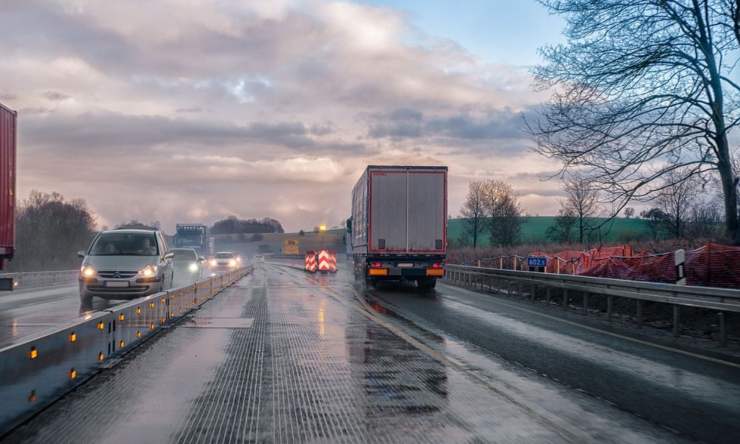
[{"x": 398, "y": 227}]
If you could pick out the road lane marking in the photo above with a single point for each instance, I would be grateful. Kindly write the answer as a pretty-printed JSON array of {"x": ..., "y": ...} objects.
[
  {"x": 594, "y": 329},
  {"x": 564, "y": 429},
  {"x": 226, "y": 323}
]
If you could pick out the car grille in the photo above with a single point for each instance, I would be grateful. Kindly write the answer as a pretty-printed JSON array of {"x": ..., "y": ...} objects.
[
  {"x": 116, "y": 290},
  {"x": 116, "y": 274}
]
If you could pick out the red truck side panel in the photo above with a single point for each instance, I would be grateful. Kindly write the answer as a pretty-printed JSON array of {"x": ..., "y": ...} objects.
[{"x": 7, "y": 181}]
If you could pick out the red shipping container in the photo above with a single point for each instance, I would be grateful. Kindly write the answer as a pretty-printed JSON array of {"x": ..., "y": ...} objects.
[{"x": 7, "y": 181}]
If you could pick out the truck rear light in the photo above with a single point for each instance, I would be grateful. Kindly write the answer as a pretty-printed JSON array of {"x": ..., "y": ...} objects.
[
  {"x": 377, "y": 272},
  {"x": 438, "y": 265},
  {"x": 435, "y": 272},
  {"x": 376, "y": 265}
]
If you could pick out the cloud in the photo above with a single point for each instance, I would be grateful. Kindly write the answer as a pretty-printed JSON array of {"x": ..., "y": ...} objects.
[
  {"x": 411, "y": 123},
  {"x": 400, "y": 123},
  {"x": 112, "y": 130},
  {"x": 55, "y": 96},
  {"x": 167, "y": 109}
]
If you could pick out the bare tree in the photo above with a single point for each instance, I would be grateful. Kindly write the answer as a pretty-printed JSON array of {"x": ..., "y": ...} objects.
[
  {"x": 705, "y": 221},
  {"x": 562, "y": 230},
  {"x": 733, "y": 8},
  {"x": 642, "y": 89},
  {"x": 582, "y": 202},
  {"x": 629, "y": 212},
  {"x": 676, "y": 200},
  {"x": 474, "y": 212},
  {"x": 657, "y": 221},
  {"x": 49, "y": 232},
  {"x": 503, "y": 213}
]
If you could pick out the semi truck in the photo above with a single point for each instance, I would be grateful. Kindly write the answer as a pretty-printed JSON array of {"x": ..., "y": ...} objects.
[
  {"x": 7, "y": 190},
  {"x": 192, "y": 236},
  {"x": 398, "y": 227}
]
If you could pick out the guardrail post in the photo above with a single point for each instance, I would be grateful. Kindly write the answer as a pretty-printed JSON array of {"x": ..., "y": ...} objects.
[
  {"x": 609, "y": 307},
  {"x": 722, "y": 330},
  {"x": 548, "y": 294},
  {"x": 639, "y": 313},
  {"x": 676, "y": 315},
  {"x": 585, "y": 303},
  {"x": 533, "y": 296},
  {"x": 565, "y": 298}
]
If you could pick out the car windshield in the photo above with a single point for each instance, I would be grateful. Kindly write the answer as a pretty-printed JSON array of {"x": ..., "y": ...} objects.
[
  {"x": 185, "y": 255},
  {"x": 224, "y": 255},
  {"x": 125, "y": 244}
]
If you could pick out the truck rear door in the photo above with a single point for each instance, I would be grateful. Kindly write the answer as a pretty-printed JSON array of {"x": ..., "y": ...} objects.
[
  {"x": 407, "y": 210},
  {"x": 388, "y": 211},
  {"x": 426, "y": 211}
]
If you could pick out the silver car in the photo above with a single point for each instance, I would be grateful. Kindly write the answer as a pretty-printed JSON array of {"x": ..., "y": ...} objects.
[
  {"x": 188, "y": 266},
  {"x": 125, "y": 264},
  {"x": 224, "y": 261}
]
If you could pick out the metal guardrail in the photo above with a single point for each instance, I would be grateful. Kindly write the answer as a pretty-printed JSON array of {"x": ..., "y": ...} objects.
[
  {"x": 719, "y": 299},
  {"x": 40, "y": 279},
  {"x": 39, "y": 370}
]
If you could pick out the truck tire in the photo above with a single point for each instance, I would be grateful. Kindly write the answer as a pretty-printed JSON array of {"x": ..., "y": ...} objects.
[{"x": 426, "y": 284}]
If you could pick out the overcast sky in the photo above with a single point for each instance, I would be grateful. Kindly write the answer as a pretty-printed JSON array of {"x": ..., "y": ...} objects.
[{"x": 189, "y": 111}]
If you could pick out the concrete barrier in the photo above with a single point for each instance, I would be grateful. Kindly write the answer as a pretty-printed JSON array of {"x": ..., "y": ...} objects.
[{"x": 42, "y": 368}]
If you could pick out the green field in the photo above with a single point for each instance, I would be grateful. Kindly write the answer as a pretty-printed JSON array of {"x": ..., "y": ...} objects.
[{"x": 534, "y": 230}]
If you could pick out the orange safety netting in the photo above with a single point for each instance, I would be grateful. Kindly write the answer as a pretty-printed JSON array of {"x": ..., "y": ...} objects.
[
  {"x": 654, "y": 268},
  {"x": 713, "y": 265}
]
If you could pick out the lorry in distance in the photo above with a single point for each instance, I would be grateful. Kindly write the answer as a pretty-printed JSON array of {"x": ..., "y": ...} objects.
[
  {"x": 192, "y": 236},
  {"x": 7, "y": 189},
  {"x": 399, "y": 224}
]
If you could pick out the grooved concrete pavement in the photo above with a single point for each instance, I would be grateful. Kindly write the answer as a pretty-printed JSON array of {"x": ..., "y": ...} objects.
[{"x": 318, "y": 364}]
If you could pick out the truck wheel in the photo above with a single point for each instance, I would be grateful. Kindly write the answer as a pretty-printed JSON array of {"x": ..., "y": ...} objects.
[{"x": 426, "y": 284}]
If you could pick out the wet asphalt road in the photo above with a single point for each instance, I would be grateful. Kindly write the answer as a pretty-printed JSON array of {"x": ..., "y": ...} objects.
[
  {"x": 284, "y": 356},
  {"x": 699, "y": 398},
  {"x": 31, "y": 312}
]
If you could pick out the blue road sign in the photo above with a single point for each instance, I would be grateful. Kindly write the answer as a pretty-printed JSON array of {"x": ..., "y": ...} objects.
[{"x": 537, "y": 261}]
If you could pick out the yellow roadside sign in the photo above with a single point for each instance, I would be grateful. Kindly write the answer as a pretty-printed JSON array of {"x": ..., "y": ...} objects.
[{"x": 290, "y": 247}]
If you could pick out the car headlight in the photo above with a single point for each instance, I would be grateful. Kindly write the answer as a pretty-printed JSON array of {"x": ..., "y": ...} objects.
[
  {"x": 148, "y": 271},
  {"x": 87, "y": 271},
  {"x": 193, "y": 267},
  {"x": 232, "y": 263},
  {"x": 212, "y": 262}
]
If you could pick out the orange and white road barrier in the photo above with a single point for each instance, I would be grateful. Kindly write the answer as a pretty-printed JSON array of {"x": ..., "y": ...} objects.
[
  {"x": 328, "y": 261},
  {"x": 310, "y": 262}
]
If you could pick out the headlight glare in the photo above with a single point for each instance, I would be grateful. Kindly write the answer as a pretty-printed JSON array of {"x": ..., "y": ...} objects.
[
  {"x": 193, "y": 267},
  {"x": 87, "y": 271},
  {"x": 148, "y": 271}
]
